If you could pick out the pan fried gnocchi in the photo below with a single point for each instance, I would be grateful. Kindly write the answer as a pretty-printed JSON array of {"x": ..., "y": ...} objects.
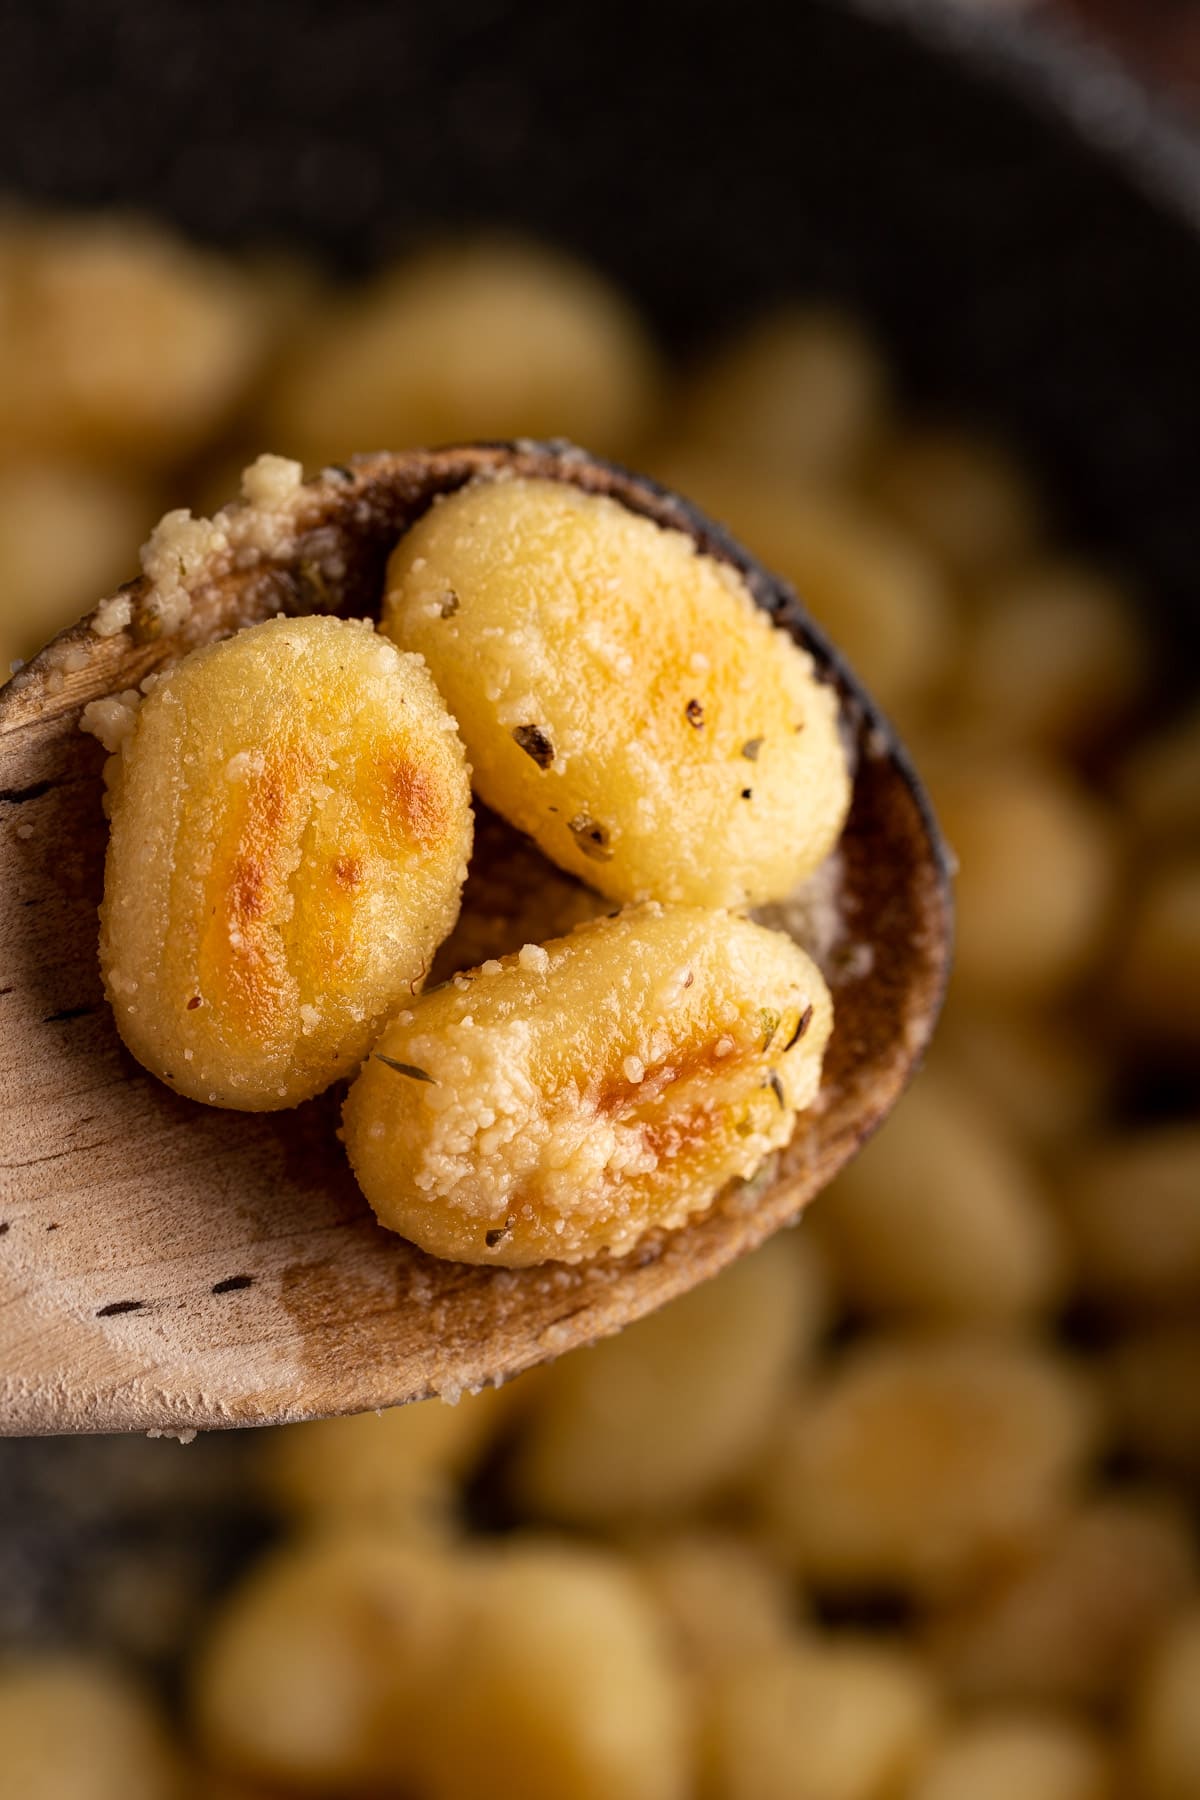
[
  {"x": 290, "y": 828},
  {"x": 562, "y": 1101},
  {"x": 622, "y": 698}
]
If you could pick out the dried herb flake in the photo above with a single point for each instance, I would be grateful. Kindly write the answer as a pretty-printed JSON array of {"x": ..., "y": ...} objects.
[
  {"x": 770, "y": 1025},
  {"x": 403, "y": 1068},
  {"x": 776, "y": 1087},
  {"x": 751, "y": 748},
  {"x": 534, "y": 742},
  {"x": 802, "y": 1025},
  {"x": 497, "y": 1234}
]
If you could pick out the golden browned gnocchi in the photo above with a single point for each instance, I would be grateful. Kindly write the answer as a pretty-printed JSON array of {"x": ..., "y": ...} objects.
[
  {"x": 663, "y": 1416},
  {"x": 723, "y": 1598},
  {"x": 622, "y": 698},
  {"x": 916, "y": 1465},
  {"x": 940, "y": 1217},
  {"x": 1071, "y": 1622},
  {"x": 401, "y": 1466},
  {"x": 290, "y": 830},
  {"x": 561, "y": 1687},
  {"x": 319, "y": 1668},
  {"x": 564, "y": 1100},
  {"x": 838, "y": 1720},
  {"x": 72, "y": 1729},
  {"x": 66, "y": 534},
  {"x": 119, "y": 341},
  {"x": 800, "y": 395},
  {"x": 491, "y": 339}
]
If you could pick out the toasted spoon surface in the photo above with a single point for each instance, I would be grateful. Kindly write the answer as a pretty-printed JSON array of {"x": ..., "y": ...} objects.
[{"x": 167, "y": 1266}]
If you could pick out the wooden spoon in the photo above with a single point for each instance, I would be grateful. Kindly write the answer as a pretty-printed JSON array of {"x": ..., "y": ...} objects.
[{"x": 167, "y": 1266}]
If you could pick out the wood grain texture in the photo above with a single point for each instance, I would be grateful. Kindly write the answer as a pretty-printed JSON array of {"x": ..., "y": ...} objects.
[{"x": 167, "y": 1266}]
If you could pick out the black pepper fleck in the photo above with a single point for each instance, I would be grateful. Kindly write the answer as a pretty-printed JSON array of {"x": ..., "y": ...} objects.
[
  {"x": 776, "y": 1087},
  {"x": 232, "y": 1284},
  {"x": 449, "y": 604},
  {"x": 497, "y": 1234},
  {"x": 534, "y": 742},
  {"x": 694, "y": 713},
  {"x": 121, "y": 1306},
  {"x": 747, "y": 793}
]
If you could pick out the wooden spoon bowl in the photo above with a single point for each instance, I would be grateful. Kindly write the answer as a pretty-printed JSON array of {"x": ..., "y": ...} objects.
[{"x": 167, "y": 1266}]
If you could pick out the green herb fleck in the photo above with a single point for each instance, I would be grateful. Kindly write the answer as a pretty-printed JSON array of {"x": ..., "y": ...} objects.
[
  {"x": 770, "y": 1025},
  {"x": 409, "y": 1069},
  {"x": 751, "y": 748}
]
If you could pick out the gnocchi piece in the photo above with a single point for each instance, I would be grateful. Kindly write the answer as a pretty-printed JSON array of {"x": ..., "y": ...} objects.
[
  {"x": 1071, "y": 1623},
  {"x": 1037, "y": 868},
  {"x": 622, "y": 698},
  {"x": 665, "y": 1416},
  {"x": 76, "y": 1730},
  {"x": 565, "y": 1100},
  {"x": 319, "y": 1669},
  {"x": 801, "y": 395},
  {"x": 120, "y": 343},
  {"x": 492, "y": 339},
  {"x": 403, "y": 1465},
  {"x": 1035, "y": 1755},
  {"x": 1165, "y": 1731},
  {"x": 562, "y": 1687},
  {"x": 1054, "y": 657},
  {"x": 963, "y": 497},
  {"x": 879, "y": 595},
  {"x": 290, "y": 827},
  {"x": 838, "y": 1720},
  {"x": 724, "y": 1601},
  {"x": 917, "y": 1465},
  {"x": 66, "y": 535},
  {"x": 514, "y": 896},
  {"x": 1152, "y": 1383},
  {"x": 1158, "y": 977},
  {"x": 1132, "y": 1205},
  {"x": 941, "y": 1217}
]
